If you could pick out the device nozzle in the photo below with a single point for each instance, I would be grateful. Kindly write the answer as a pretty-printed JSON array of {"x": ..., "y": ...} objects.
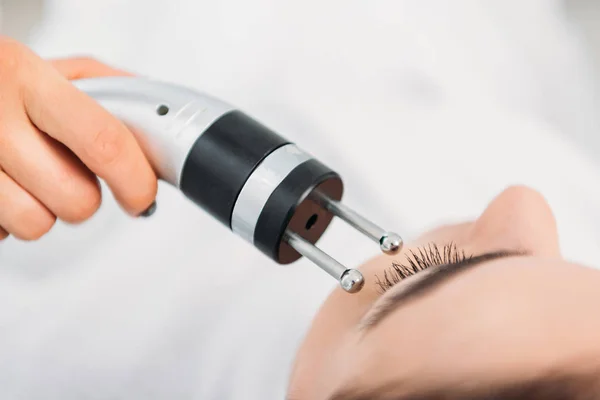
[
  {"x": 389, "y": 242},
  {"x": 351, "y": 280}
]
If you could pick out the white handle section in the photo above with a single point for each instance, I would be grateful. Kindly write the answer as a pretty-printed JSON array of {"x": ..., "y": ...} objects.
[{"x": 166, "y": 119}]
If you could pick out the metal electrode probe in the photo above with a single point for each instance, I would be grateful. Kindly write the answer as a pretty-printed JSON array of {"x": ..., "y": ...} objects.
[{"x": 263, "y": 187}]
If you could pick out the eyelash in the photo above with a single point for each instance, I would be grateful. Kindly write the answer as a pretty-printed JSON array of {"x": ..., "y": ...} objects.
[{"x": 419, "y": 260}]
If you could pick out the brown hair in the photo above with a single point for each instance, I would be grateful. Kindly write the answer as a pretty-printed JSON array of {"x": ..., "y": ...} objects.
[{"x": 551, "y": 387}]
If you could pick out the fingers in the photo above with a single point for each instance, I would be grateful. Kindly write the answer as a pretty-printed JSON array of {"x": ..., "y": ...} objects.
[
  {"x": 80, "y": 68},
  {"x": 55, "y": 141},
  {"x": 98, "y": 139},
  {"x": 21, "y": 214},
  {"x": 50, "y": 172}
]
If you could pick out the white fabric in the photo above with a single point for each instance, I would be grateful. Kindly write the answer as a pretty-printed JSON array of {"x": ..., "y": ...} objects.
[{"x": 428, "y": 109}]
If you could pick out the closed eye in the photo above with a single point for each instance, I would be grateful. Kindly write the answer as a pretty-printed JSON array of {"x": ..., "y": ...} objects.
[
  {"x": 418, "y": 260},
  {"x": 429, "y": 281}
]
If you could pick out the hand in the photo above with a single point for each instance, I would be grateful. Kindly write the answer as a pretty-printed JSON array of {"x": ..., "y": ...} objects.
[{"x": 55, "y": 141}]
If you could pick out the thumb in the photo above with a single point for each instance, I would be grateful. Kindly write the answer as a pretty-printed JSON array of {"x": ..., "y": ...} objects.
[{"x": 84, "y": 67}]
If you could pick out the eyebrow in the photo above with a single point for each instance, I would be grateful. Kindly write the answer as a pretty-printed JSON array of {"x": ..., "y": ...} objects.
[{"x": 430, "y": 280}]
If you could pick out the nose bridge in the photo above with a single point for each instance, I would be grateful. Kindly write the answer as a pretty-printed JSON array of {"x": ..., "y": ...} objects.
[{"x": 519, "y": 218}]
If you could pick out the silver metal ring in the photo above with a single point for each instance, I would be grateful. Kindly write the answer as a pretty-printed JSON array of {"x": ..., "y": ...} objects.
[{"x": 258, "y": 188}]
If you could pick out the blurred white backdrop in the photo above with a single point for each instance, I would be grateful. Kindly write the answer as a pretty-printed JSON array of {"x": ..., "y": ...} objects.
[
  {"x": 537, "y": 57},
  {"x": 21, "y": 17}
]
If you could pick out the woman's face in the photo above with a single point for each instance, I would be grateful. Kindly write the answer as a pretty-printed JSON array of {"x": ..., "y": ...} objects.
[{"x": 514, "y": 310}]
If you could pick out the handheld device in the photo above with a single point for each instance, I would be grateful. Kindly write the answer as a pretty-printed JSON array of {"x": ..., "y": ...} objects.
[{"x": 263, "y": 187}]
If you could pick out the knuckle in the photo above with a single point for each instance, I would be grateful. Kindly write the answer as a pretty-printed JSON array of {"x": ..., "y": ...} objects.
[
  {"x": 80, "y": 195},
  {"x": 11, "y": 55},
  {"x": 32, "y": 222},
  {"x": 107, "y": 143}
]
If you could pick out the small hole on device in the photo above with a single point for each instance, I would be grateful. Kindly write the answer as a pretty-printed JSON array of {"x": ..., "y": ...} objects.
[
  {"x": 311, "y": 221},
  {"x": 162, "y": 110}
]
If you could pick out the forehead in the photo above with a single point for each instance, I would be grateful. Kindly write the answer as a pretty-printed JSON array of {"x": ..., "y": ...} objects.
[{"x": 503, "y": 320}]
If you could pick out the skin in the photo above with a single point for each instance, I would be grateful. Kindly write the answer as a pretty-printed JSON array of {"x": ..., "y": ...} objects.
[
  {"x": 508, "y": 319},
  {"x": 55, "y": 142}
]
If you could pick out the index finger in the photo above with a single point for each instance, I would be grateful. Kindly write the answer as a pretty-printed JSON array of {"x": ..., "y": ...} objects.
[
  {"x": 84, "y": 67},
  {"x": 98, "y": 139}
]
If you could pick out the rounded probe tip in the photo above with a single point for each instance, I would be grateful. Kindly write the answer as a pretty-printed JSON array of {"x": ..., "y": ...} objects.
[
  {"x": 390, "y": 243},
  {"x": 352, "y": 281}
]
